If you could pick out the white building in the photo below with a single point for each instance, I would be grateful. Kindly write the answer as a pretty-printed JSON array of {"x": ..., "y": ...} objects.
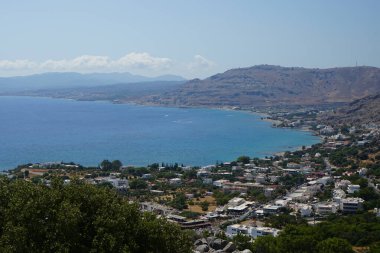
[
  {"x": 274, "y": 179},
  {"x": 282, "y": 202},
  {"x": 271, "y": 209},
  {"x": 261, "y": 179},
  {"x": 251, "y": 231},
  {"x": 342, "y": 184},
  {"x": 268, "y": 191},
  {"x": 305, "y": 210},
  {"x": 203, "y": 173},
  {"x": 363, "y": 172},
  {"x": 236, "y": 229},
  {"x": 328, "y": 130},
  {"x": 207, "y": 180},
  {"x": 327, "y": 208},
  {"x": 146, "y": 176},
  {"x": 155, "y": 208},
  {"x": 352, "y": 188},
  {"x": 293, "y": 166},
  {"x": 117, "y": 182},
  {"x": 248, "y": 176},
  {"x": 237, "y": 210},
  {"x": 338, "y": 194},
  {"x": 324, "y": 180},
  {"x": 175, "y": 181},
  {"x": 235, "y": 202},
  {"x": 255, "y": 232},
  {"x": 377, "y": 212},
  {"x": 351, "y": 205},
  {"x": 220, "y": 183}
]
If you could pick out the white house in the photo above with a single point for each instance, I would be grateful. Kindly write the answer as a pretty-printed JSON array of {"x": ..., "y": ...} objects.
[
  {"x": 219, "y": 183},
  {"x": 235, "y": 202},
  {"x": 268, "y": 191},
  {"x": 351, "y": 205},
  {"x": 119, "y": 183},
  {"x": 251, "y": 231},
  {"x": 203, "y": 173},
  {"x": 305, "y": 210},
  {"x": 327, "y": 208},
  {"x": 271, "y": 209},
  {"x": 352, "y": 188},
  {"x": 236, "y": 229},
  {"x": 363, "y": 172},
  {"x": 261, "y": 179},
  {"x": 255, "y": 232},
  {"x": 324, "y": 180},
  {"x": 175, "y": 181},
  {"x": 146, "y": 176},
  {"x": 207, "y": 180}
]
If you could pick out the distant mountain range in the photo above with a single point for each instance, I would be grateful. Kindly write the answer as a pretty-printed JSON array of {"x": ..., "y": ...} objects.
[
  {"x": 119, "y": 93},
  {"x": 361, "y": 111},
  {"x": 267, "y": 85},
  {"x": 57, "y": 80},
  {"x": 258, "y": 86}
]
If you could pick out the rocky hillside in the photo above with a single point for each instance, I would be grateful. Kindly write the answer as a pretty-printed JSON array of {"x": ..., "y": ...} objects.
[
  {"x": 267, "y": 85},
  {"x": 362, "y": 111}
]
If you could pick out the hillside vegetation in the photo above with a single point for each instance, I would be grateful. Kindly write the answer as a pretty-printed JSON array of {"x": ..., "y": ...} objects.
[{"x": 362, "y": 111}]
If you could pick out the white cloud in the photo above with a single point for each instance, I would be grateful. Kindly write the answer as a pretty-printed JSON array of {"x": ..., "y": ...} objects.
[
  {"x": 138, "y": 63},
  {"x": 55, "y": 65},
  {"x": 201, "y": 63},
  {"x": 142, "y": 60},
  {"x": 92, "y": 62},
  {"x": 84, "y": 62},
  {"x": 16, "y": 64}
]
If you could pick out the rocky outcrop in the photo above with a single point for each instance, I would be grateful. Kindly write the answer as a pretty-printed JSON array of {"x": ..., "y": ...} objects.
[{"x": 216, "y": 245}]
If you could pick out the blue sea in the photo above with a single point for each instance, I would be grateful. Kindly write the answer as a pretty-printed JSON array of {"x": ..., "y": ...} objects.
[{"x": 44, "y": 130}]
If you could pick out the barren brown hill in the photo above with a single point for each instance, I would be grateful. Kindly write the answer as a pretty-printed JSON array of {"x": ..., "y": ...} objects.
[
  {"x": 359, "y": 112},
  {"x": 274, "y": 85}
]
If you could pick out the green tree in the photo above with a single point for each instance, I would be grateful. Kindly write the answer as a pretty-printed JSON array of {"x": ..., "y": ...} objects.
[
  {"x": 374, "y": 248},
  {"x": 334, "y": 245},
  {"x": 179, "y": 201},
  {"x": 265, "y": 244},
  {"x": 106, "y": 165},
  {"x": 242, "y": 242},
  {"x": 138, "y": 184},
  {"x": 243, "y": 159},
  {"x": 204, "y": 205},
  {"x": 116, "y": 165},
  {"x": 79, "y": 218}
]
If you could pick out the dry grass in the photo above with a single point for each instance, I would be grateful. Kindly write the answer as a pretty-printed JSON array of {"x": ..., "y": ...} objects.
[{"x": 198, "y": 208}]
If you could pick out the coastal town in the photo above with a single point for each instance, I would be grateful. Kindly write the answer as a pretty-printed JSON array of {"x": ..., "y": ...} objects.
[
  {"x": 190, "y": 126},
  {"x": 229, "y": 203}
]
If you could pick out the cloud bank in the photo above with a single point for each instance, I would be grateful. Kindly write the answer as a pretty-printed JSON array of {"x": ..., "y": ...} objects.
[{"x": 140, "y": 63}]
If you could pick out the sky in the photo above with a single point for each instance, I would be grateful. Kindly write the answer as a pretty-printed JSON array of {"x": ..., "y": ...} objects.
[{"x": 194, "y": 39}]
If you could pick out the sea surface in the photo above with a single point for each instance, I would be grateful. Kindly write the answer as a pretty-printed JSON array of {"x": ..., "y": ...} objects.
[{"x": 45, "y": 130}]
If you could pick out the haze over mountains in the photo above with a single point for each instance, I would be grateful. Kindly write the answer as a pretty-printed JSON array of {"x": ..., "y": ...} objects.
[
  {"x": 59, "y": 80},
  {"x": 257, "y": 86}
]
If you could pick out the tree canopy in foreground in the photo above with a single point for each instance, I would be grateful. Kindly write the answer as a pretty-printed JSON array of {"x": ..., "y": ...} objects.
[{"x": 79, "y": 218}]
